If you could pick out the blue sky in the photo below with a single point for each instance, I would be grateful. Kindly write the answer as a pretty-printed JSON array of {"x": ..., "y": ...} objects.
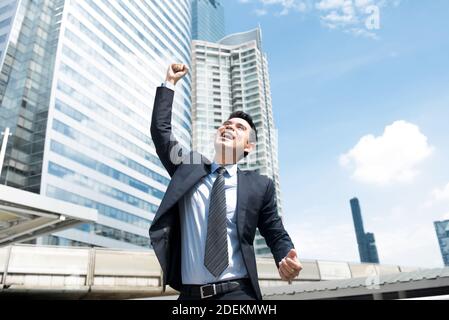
[{"x": 360, "y": 112}]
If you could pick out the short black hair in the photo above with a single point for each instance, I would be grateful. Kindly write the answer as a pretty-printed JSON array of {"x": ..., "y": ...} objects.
[{"x": 247, "y": 118}]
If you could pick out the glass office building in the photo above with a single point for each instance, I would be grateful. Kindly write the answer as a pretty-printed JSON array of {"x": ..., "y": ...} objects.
[
  {"x": 208, "y": 22},
  {"x": 78, "y": 81},
  {"x": 442, "y": 230},
  {"x": 8, "y": 10},
  {"x": 232, "y": 75}
]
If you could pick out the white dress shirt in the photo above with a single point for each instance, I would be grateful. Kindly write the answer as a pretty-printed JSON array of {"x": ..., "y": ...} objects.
[{"x": 194, "y": 210}]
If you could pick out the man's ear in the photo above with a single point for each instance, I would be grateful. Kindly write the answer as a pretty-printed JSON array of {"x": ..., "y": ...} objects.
[{"x": 250, "y": 146}]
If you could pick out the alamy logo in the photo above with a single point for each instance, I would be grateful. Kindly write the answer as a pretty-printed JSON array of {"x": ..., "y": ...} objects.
[
  {"x": 372, "y": 282},
  {"x": 373, "y": 20}
]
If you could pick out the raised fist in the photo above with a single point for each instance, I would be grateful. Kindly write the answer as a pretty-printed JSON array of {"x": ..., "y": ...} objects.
[{"x": 176, "y": 72}]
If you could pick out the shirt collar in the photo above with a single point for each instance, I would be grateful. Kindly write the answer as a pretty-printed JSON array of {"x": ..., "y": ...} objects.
[{"x": 231, "y": 169}]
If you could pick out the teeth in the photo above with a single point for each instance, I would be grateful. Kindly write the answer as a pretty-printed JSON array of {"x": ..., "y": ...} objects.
[{"x": 228, "y": 135}]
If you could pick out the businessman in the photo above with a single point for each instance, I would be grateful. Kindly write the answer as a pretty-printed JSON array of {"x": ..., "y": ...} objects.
[{"x": 204, "y": 229}]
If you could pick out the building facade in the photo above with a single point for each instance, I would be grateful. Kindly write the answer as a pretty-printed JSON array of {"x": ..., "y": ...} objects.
[
  {"x": 232, "y": 75},
  {"x": 77, "y": 88},
  {"x": 208, "y": 22},
  {"x": 442, "y": 230},
  {"x": 8, "y": 9},
  {"x": 366, "y": 241}
]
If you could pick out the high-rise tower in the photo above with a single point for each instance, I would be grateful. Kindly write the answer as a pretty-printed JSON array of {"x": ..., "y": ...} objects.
[
  {"x": 77, "y": 86},
  {"x": 365, "y": 241},
  {"x": 208, "y": 22},
  {"x": 232, "y": 75},
  {"x": 442, "y": 231}
]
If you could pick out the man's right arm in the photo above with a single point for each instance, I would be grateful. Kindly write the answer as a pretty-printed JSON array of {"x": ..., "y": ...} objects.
[{"x": 167, "y": 147}]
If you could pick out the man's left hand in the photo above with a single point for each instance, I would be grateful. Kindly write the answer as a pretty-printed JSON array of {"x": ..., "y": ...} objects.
[{"x": 290, "y": 267}]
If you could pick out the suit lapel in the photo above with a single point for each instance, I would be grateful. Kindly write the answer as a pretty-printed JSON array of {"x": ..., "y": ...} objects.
[
  {"x": 188, "y": 176},
  {"x": 242, "y": 199},
  {"x": 184, "y": 179}
]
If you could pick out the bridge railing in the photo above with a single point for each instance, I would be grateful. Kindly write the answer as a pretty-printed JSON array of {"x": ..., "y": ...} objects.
[{"x": 97, "y": 272}]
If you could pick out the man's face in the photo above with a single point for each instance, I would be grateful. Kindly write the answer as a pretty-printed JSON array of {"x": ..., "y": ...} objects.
[{"x": 233, "y": 139}]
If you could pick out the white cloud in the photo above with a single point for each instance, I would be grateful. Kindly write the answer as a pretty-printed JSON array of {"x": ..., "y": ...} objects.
[
  {"x": 332, "y": 242},
  {"x": 286, "y": 6},
  {"x": 260, "y": 12},
  {"x": 350, "y": 16},
  {"x": 330, "y": 4},
  {"x": 441, "y": 194},
  {"x": 396, "y": 248},
  {"x": 392, "y": 157}
]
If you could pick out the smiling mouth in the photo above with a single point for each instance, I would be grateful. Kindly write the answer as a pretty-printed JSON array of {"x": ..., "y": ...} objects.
[{"x": 227, "y": 136}]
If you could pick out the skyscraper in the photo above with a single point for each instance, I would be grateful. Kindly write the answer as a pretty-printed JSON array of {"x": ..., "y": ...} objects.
[
  {"x": 442, "y": 230},
  {"x": 208, "y": 20},
  {"x": 8, "y": 10},
  {"x": 77, "y": 87},
  {"x": 365, "y": 241},
  {"x": 231, "y": 75}
]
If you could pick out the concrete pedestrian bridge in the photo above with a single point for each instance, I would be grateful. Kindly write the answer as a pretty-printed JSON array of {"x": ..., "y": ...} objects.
[{"x": 97, "y": 273}]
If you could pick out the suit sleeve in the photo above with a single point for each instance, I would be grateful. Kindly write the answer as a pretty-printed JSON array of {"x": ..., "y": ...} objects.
[
  {"x": 167, "y": 147},
  {"x": 271, "y": 227}
]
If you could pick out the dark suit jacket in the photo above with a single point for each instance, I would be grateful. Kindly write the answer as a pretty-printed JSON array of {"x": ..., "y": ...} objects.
[{"x": 256, "y": 203}]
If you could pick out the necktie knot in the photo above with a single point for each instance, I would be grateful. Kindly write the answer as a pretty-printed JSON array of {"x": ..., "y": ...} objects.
[{"x": 221, "y": 170}]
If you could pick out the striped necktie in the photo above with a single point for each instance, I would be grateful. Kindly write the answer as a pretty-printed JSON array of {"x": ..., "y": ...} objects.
[{"x": 216, "y": 258}]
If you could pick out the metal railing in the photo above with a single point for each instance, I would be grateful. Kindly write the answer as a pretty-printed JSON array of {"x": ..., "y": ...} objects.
[{"x": 78, "y": 272}]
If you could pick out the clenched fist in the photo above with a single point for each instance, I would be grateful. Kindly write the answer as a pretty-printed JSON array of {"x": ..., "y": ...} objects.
[
  {"x": 176, "y": 72},
  {"x": 290, "y": 267}
]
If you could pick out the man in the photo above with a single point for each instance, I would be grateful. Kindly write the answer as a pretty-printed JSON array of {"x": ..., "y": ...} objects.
[{"x": 204, "y": 229}]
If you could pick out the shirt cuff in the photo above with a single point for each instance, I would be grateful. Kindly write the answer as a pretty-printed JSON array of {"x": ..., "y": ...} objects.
[{"x": 168, "y": 85}]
